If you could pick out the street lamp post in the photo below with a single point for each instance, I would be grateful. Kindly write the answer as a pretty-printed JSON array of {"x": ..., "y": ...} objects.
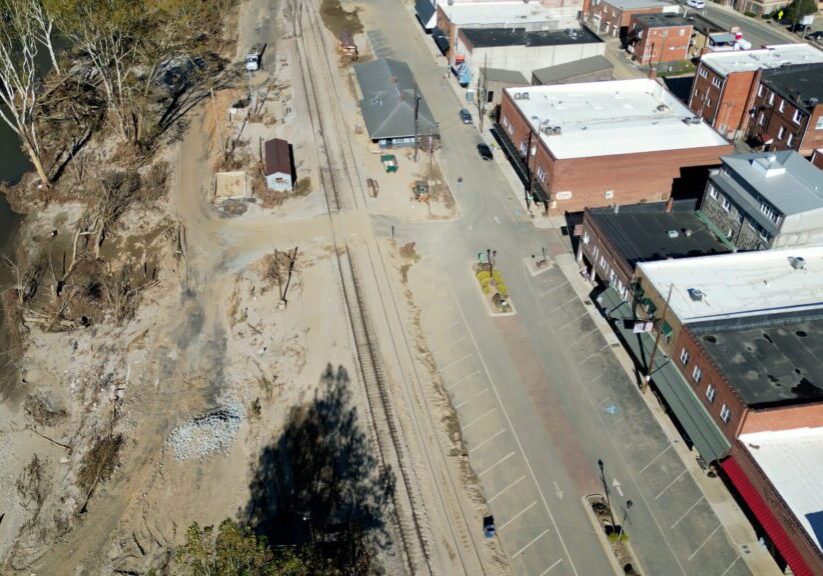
[{"x": 606, "y": 490}]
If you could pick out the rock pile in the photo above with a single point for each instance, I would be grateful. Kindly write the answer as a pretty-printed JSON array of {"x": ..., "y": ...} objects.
[{"x": 207, "y": 434}]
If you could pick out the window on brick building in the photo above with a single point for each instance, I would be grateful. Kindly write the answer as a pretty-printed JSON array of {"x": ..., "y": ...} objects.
[
  {"x": 725, "y": 414},
  {"x": 712, "y": 191},
  {"x": 762, "y": 119},
  {"x": 760, "y": 90},
  {"x": 541, "y": 174},
  {"x": 782, "y": 106},
  {"x": 586, "y": 238},
  {"x": 684, "y": 356},
  {"x": 702, "y": 72},
  {"x": 681, "y": 32},
  {"x": 697, "y": 374},
  {"x": 726, "y": 204},
  {"x": 710, "y": 392},
  {"x": 780, "y": 132},
  {"x": 819, "y": 124},
  {"x": 789, "y": 140},
  {"x": 798, "y": 116},
  {"x": 716, "y": 82},
  {"x": 771, "y": 99}
]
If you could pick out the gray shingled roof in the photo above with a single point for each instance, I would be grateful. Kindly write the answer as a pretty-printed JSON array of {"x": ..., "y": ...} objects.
[
  {"x": 388, "y": 90},
  {"x": 570, "y": 69},
  {"x": 507, "y": 76},
  {"x": 798, "y": 189}
]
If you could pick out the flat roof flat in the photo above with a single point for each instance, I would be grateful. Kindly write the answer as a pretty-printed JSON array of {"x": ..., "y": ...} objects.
[
  {"x": 801, "y": 84},
  {"x": 494, "y": 37},
  {"x": 769, "y": 364},
  {"x": 661, "y": 20},
  {"x": 792, "y": 460},
  {"x": 775, "y": 56},
  {"x": 646, "y": 232},
  {"x": 743, "y": 284},
  {"x": 635, "y": 4},
  {"x": 500, "y": 13},
  {"x": 611, "y": 118}
]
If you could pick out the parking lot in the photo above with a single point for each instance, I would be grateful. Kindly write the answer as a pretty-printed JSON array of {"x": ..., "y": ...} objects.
[{"x": 537, "y": 506}]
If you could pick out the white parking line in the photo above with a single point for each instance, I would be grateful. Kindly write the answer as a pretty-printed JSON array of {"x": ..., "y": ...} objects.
[
  {"x": 643, "y": 469},
  {"x": 493, "y": 498},
  {"x": 686, "y": 513},
  {"x": 467, "y": 400},
  {"x": 550, "y": 568},
  {"x": 450, "y": 344},
  {"x": 438, "y": 330},
  {"x": 496, "y": 464},
  {"x": 463, "y": 379},
  {"x": 518, "y": 515},
  {"x": 730, "y": 566},
  {"x": 550, "y": 290},
  {"x": 478, "y": 419},
  {"x": 483, "y": 391},
  {"x": 523, "y": 549},
  {"x": 450, "y": 364},
  {"x": 585, "y": 313},
  {"x": 579, "y": 338},
  {"x": 704, "y": 542},
  {"x": 563, "y": 303},
  {"x": 593, "y": 354},
  {"x": 670, "y": 484},
  {"x": 487, "y": 440}
]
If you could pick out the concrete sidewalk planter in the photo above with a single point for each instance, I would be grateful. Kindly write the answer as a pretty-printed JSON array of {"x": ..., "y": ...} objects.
[
  {"x": 613, "y": 538},
  {"x": 494, "y": 289}
]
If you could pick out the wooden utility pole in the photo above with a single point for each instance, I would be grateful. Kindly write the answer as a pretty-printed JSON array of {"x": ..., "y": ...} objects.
[
  {"x": 292, "y": 260},
  {"x": 416, "y": 121},
  {"x": 650, "y": 367},
  {"x": 217, "y": 121}
]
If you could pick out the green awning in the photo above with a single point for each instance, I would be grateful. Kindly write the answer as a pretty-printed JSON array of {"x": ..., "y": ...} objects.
[{"x": 684, "y": 403}]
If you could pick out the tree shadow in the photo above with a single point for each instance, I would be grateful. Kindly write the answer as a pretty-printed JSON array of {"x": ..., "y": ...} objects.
[{"x": 320, "y": 482}]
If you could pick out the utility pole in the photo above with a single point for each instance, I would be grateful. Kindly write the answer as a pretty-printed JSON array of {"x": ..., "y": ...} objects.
[
  {"x": 416, "y": 116},
  {"x": 217, "y": 122},
  {"x": 431, "y": 153},
  {"x": 650, "y": 367},
  {"x": 530, "y": 182},
  {"x": 606, "y": 490},
  {"x": 481, "y": 93}
]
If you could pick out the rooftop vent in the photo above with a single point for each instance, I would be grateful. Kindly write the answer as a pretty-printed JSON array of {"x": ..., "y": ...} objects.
[
  {"x": 521, "y": 95},
  {"x": 695, "y": 294},
  {"x": 687, "y": 232},
  {"x": 798, "y": 262},
  {"x": 673, "y": 233},
  {"x": 691, "y": 120},
  {"x": 662, "y": 108}
]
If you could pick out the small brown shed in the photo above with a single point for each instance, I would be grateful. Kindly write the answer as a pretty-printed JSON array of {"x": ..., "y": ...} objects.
[{"x": 277, "y": 165}]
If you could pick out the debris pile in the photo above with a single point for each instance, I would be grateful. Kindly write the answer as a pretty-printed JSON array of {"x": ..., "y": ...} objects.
[{"x": 207, "y": 434}]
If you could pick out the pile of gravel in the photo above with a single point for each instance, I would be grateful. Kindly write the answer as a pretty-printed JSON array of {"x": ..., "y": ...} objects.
[{"x": 207, "y": 434}]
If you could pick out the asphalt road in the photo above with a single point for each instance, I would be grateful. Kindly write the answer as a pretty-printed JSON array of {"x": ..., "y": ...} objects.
[
  {"x": 759, "y": 33},
  {"x": 540, "y": 396}
]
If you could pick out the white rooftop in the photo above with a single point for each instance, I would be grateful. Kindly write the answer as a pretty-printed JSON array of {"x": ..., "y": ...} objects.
[
  {"x": 740, "y": 284},
  {"x": 610, "y": 118},
  {"x": 793, "y": 462},
  {"x": 634, "y": 4},
  {"x": 769, "y": 57},
  {"x": 506, "y": 14}
]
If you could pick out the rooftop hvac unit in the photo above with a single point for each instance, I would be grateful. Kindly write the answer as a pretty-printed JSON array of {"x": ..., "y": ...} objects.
[
  {"x": 673, "y": 233},
  {"x": 696, "y": 294},
  {"x": 798, "y": 262}
]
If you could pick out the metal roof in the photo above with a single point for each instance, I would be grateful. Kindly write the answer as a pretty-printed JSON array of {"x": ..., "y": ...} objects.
[
  {"x": 589, "y": 65},
  {"x": 277, "y": 157},
  {"x": 388, "y": 89},
  {"x": 785, "y": 179},
  {"x": 505, "y": 76}
]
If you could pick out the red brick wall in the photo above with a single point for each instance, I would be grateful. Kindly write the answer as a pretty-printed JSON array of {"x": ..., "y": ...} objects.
[
  {"x": 713, "y": 375},
  {"x": 784, "y": 418},
  {"x": 817, "y": 158},
  {"x": 724, "y": 106},
  {"x": 768, "y": 121},
  {"x": 632, "y": 178},
  {"x": 798, "y": 535},
  {"x": 445, "y": 25},
  {"x": 661, "y": 44},
  {"x": 611, "y": 18},
  {"x": 597, "y": 246}
]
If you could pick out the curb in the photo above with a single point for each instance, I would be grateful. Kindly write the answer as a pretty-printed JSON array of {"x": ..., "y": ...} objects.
[
  {"x": 489, "y": 309},
  {"x": 533, "y": 269},
  {"x": 601, "y": 535}
]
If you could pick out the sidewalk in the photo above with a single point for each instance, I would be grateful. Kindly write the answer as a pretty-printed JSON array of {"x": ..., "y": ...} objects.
[{"x": 734, "y": 521}]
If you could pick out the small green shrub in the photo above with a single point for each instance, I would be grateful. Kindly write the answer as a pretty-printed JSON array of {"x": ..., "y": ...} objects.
[
  {"x": 485, "y": 282},
  {"x": 498, "y": 277},
  {"x": 750, "y": 14},
  {"x": 483, "y": 275},
  {"x": 502, "y": 290}
]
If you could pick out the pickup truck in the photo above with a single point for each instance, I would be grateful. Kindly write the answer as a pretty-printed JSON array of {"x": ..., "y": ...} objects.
[{"x": 254, "y": 57}]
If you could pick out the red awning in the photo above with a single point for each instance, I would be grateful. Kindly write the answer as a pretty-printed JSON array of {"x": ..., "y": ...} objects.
[{"x": 765, "y": 516}]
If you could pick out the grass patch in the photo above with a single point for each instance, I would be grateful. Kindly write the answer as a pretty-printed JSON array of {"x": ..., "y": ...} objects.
[{"x": 676, "y": 69}]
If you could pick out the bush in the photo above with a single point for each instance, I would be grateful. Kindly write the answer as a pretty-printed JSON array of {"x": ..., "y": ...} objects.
[
  {"x": 485, "y": 281},
  {"x": 498, "y": 277},
  {"x": 502, "y": 290},
  {"x": 303, "y": 186},
  {"x": 750, "y": 14},
  {"x": 484, "y": 276}
]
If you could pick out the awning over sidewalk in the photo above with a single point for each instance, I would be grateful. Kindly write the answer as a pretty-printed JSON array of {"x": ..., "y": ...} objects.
[
  {"x": 710, "y": 442},
  {"x": 441, "y": 39},
  {"x": 766, "y": 517},
  {"x": 426, "y": 12}
]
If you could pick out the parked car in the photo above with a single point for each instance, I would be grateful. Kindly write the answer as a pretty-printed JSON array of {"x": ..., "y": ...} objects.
[
  {"x": 696, "y": 4},
  {"x": 489, "y": 529},
  {"x": 797, "y": 27},
  {"x": 465, "y": 116},
  {"x": 485, "y": 152},
  {"x": 815, "y": 36}
]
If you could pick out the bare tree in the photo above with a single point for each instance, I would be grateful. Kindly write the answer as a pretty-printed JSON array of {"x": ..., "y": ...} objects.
[
  {"x": 43, "y": 28},
  {"x": 19, "y": 79}
]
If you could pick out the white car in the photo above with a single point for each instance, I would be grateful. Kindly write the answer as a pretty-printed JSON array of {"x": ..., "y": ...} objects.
[{"x": 696, "y": 4}]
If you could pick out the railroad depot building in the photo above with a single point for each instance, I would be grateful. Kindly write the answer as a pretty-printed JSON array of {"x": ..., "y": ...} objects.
[
  {"x": 615, "y": 240},
  {"x": 766, "y": 200},
  {"x": 725, "y": 83},
  {"x": 605, "y": 143}
]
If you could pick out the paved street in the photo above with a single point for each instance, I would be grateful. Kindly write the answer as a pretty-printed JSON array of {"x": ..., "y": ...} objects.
[
  {"x": 758, "y": 32},
  {"x": 540, "y": 396}
]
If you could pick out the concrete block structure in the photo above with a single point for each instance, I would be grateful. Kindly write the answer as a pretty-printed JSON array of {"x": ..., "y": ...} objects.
[
  {"x": 605, "y": 143},
  {"x": 725, "y": 82},
  {"x": 521, "y": 50},
  {"x": 657, "y": 38},
  {"x": 766, "y": 200},
  {"x": 787, "y": 112}
]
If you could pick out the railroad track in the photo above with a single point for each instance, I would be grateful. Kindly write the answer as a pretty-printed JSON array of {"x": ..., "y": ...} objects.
[{"x": 343, "y": 170}]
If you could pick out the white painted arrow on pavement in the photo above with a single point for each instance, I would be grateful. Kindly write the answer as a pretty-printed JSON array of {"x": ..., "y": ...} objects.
[
  {"x": 617, "y": 485},
  {"x": 557, "y": 491}
]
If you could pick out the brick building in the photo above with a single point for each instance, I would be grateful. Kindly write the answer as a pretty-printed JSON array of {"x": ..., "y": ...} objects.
[
  {"x": 787, "y": 112},
  {"x": 612, "y": 17},
  {"x": 614, "y": 240},
  {"x": 725, "y": 82},
  {"x": 656, "y": 38},
  {"x": 766, "y": 200},
  {"x": 604, "y": 143}
]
